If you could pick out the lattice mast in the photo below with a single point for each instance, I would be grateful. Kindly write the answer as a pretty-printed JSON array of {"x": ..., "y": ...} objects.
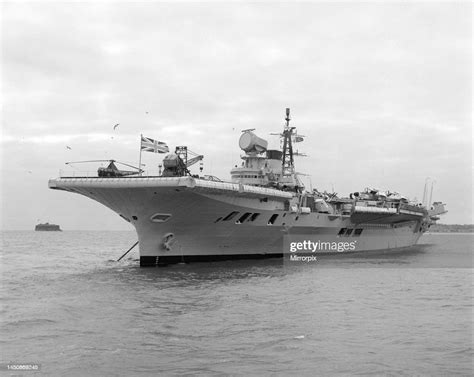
[{"x": 287, "y": 168}]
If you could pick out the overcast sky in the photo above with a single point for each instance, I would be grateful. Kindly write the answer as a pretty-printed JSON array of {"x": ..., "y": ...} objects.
[{"x": 381, "y": 90}]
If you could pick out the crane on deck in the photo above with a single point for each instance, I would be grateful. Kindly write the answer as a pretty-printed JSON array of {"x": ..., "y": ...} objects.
[{"x": 178, "y": 163}]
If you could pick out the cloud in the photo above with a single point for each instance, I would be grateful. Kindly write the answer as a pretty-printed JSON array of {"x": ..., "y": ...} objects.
[{"x": 378, "y": 88}]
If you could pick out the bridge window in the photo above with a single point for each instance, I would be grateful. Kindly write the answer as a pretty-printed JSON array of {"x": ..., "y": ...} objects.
[
  {"x": 342, "y": 231},
  {"x": 348, "y": 232},
  {"x": 358, "y": 232}
]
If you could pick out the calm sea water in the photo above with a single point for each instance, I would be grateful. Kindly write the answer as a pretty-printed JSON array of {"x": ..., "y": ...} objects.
[{"x": 67, "y": 305}]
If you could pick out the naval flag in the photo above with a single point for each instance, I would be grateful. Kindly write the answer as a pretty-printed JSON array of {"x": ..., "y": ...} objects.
[
  {"x": 150, "y": 145},
  {"x": 298, "y": 139}
]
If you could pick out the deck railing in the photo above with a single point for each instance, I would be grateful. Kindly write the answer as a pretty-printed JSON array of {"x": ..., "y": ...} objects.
[
  {"x": 93, "y": 174},
  {"x": 77, "y": 174}
]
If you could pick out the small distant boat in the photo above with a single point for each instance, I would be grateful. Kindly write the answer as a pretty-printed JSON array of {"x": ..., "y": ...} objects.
[{"x": 48, "y": 227}]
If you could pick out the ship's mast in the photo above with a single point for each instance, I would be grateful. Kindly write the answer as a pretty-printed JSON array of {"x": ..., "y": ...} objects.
[{"x": 287, "y": 168}]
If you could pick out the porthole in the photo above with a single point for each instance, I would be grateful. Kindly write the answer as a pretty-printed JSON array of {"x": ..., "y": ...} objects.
[
  {"x": 254, "y": 216},
  {"x": 243, "y": 218},
  {"x": 358, "y": 232},
  {"x": 230, "y": 216},
  {"x": 272, "y": 219},
  {"x": 160, "y": 217}
]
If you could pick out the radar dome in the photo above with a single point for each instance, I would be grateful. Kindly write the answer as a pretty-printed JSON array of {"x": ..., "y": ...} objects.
[{"x": 249, "y": 142}]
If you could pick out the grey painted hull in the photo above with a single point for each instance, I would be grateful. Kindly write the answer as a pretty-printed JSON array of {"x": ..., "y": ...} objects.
[{"x": 189, "y": 218}]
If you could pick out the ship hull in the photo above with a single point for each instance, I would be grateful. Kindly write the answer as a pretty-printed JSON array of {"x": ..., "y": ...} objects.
[{"x": 185, "y": 220}]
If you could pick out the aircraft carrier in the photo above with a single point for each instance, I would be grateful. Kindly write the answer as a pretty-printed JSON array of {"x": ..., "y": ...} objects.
[{"x": 180, "y": 217}]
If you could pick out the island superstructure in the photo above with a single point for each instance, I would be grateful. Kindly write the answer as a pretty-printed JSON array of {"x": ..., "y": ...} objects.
[{"x": 181, "y": 217}]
